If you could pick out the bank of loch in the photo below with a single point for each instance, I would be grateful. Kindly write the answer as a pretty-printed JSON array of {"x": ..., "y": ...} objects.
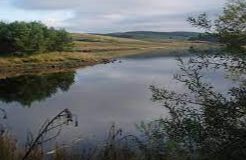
[{"x": 87, "y": 53}]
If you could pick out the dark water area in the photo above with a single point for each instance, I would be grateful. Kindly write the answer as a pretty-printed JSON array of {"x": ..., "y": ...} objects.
[{"x": 99, "y": 96}]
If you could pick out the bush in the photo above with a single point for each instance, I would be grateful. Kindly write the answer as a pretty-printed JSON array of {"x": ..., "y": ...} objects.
[
  {"x": 32, "y": 37},
  {"x": 229, "y": 27}
]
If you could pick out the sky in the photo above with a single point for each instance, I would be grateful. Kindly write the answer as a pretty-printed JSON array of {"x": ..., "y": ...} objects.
[{"x": 106, "y": 16}]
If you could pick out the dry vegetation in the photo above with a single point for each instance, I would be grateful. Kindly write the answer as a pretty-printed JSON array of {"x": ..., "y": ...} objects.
[{"x": 88, "y": 50}]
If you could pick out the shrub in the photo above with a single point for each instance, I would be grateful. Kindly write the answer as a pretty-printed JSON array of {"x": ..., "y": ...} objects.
[{"x": 32, "y": 37}]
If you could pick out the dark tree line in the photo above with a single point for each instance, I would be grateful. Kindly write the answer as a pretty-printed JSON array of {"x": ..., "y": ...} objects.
[
  {"x": 32, "y": 37},
  {"x": 205, "y": 37}
]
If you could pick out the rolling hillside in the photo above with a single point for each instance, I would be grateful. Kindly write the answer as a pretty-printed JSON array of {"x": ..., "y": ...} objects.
[{"x": 154, "y": 36}]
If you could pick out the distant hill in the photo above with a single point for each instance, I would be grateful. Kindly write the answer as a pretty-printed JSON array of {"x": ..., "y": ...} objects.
[
  {"x": 84, "y": 37},
  {"x": 154, "y": 36}
]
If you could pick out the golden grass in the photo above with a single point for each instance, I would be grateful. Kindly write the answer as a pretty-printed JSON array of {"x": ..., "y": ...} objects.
[
  {"x": 132, "y": 49},
  {"x": 100, "y": 38},
  {"x": 91, "y": 49},
  {"x": 94, "y": 51},
  {"x": 54, "y": 57},
  {"x": 8, "y": 148}
]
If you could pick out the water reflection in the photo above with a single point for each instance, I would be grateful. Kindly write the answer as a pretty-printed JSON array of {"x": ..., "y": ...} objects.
[
  {"x": 204, "y": 123},
  {"x": 102, "y": 94},
  {"x": 30, "y": 88}
]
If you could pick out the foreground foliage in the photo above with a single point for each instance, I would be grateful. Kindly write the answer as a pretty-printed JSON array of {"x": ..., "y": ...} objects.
[
  {"x": 229, "y": 27},
  {"x": 206, "y": 121}
]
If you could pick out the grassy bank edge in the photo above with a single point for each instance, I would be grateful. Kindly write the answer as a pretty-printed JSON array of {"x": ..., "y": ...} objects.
[{"x": 62, "y": 61}]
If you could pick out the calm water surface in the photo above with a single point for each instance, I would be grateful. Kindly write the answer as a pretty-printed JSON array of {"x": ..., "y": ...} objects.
[{"x": 98, "y": 95}]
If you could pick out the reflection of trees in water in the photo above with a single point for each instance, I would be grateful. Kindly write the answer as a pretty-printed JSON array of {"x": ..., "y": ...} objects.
[
  {"x": 29, "y": 88},
  {"x": 203, "y": 123}
]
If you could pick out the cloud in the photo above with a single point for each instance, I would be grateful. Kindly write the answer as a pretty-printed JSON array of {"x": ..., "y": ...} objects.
[
  {"x": 46, "y": 4},
  {"x": 118, "y": 5},
  {"x": 127, "y": 22},
  {"x": 122, "y": 15}
]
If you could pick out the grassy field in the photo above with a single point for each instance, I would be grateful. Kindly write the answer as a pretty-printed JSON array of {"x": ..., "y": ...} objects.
[{"x": 88, "y": 50}]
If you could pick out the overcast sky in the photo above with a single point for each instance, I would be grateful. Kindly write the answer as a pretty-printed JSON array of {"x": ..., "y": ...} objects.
[{"x": 103, "y": 16}]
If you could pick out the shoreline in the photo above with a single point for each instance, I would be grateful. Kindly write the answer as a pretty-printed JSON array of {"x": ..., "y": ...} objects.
[
  {"x": 61, "y": 61},
  {"x": 37, "y": 68}
]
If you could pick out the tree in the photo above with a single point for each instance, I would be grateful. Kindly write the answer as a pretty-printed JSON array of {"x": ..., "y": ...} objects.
[
  {"x": 230, "y": 26},
  {"x": 33, "y": 37},
  {"x": 204, "y": 122}
]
